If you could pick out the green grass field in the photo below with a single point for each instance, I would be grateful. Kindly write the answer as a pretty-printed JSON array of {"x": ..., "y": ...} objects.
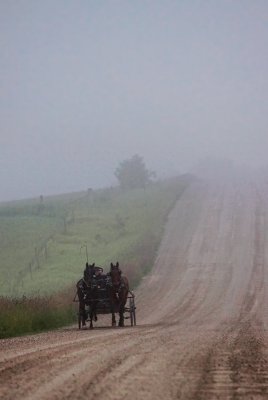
[{"x": 41, "y": 241}]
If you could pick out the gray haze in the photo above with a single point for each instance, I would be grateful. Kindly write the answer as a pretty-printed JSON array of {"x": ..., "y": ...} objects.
[{"x": 85, "y": 84}]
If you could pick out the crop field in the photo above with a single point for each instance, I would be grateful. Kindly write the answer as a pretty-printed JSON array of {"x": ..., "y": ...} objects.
[{"x": 43, "y": 241}]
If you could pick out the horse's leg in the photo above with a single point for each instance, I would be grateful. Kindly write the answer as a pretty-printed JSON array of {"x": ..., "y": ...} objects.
[
  {"x": 91, "y": 320},
  {"x": 123, "y": 300},
  {"x": 121, "y": 312},
  {"x": 111, "y": 295},
  {"x": 121, "y": 315},
  {"x": 95, "y": 312},
  {"x": 113, "y": 314},
  {"x": 94, "y": 305},
  {"x": 82, "y": 310}
]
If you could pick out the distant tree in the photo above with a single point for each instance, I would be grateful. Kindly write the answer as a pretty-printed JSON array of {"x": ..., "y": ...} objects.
[{"x": 132, "y": 173}]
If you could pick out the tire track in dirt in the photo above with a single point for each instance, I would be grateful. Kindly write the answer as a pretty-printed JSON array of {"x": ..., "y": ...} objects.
[
  {"x": 237, "y": 367},
  {"x": 52, "y": 360}
]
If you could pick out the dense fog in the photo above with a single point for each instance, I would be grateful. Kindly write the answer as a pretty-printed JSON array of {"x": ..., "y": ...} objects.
[{"x": 86, "y": 84}]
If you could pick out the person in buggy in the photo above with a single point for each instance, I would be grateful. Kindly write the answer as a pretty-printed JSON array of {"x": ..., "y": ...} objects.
[{"x": 100, "y": 278}]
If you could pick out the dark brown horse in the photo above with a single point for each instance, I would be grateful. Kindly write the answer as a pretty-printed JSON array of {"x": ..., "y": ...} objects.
[
  {"x": 87, "y": 295},
  {"x": 118, "y": 293}
]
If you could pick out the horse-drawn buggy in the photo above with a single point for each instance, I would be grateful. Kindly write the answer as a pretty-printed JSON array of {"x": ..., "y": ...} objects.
[{"x": 100, "y": 293}]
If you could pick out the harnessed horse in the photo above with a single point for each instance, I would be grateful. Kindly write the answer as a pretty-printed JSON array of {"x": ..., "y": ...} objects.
[
  {"x": 87, "y": 295},
  {"x": 118, "y": 293}
]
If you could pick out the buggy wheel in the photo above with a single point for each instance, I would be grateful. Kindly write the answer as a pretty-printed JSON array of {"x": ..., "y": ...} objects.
[
  {"x": 134, "y": 315},
  {"x": 131, "y": 318},
  {"x": 132, "y": 312}
]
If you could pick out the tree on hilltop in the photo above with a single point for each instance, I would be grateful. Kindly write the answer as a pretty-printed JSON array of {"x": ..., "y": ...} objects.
[{"x": 132, "y": 173}]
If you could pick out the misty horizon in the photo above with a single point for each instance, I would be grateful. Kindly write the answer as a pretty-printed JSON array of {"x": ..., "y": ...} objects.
[{"x": 85, "y": 85}]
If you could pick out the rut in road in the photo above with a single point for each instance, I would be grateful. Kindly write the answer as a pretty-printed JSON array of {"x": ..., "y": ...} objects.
[{"x": 202, "y": 316}]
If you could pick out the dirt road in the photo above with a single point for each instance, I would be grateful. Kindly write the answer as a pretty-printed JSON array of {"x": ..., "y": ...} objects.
[{"x": 202, "y": 317}]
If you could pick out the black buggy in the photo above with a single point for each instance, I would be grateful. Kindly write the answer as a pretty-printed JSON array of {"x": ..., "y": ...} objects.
[{"x": 96, "y": 299}]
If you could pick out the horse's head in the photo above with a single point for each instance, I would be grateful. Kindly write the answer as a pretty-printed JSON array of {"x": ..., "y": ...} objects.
[
  {"x": 89, "y": 272},
  {"x": 115, "y": 273}
]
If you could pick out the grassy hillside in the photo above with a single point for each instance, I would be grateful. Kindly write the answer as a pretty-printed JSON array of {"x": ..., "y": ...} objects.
[{"x": 41, "y": 239}]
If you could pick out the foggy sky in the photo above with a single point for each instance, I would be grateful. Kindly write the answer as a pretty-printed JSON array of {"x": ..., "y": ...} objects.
[{"x": 85, "y": 84}]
